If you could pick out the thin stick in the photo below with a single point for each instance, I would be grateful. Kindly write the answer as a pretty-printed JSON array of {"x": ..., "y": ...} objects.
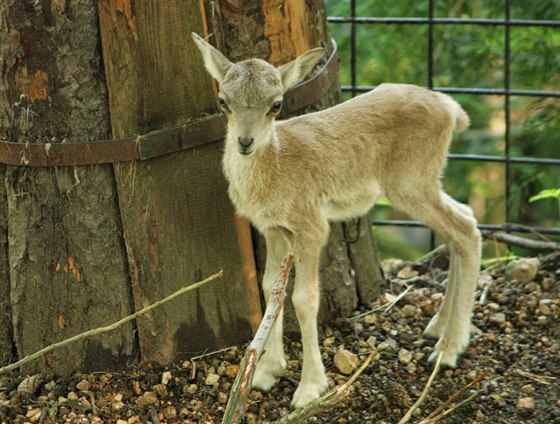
[
  {"x": 524, "y": 242},
  {"x": 235, "y": 409},
  {"x": 450, "y": 410},
  {"x": 458, "y": 393},
  {"x": 329, "y": 399},
  {"x": 101, "y": 330},
  {"x": 385, "y": 306},
  {"x": 408, "y": 414}
]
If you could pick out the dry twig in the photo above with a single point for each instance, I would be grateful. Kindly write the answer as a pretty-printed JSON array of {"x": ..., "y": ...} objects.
[
  {"x": 424, "y": 393},
  {"x": 101, "y": 330},
  {"x": 439, "y": 410},
  {"x": 523, "y": 242},
  {"x": 242, "y": 385},
  {"x": 326, "y": 401}
]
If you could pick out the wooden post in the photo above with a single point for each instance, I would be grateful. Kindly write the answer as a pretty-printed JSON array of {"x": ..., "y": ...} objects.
[
  {"x": 178, "y": 223},
  {"x": 67, "y": 268},
  {"x": 6, "y": 352}
]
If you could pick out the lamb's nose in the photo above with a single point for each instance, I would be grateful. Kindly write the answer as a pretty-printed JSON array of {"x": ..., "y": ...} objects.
[{"x": 245, "y": 142}]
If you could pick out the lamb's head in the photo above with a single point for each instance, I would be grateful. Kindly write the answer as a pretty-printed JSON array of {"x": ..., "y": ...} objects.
[{"x": 251, "y": 92}]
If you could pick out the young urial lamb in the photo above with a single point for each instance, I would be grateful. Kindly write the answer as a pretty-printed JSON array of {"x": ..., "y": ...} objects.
[{"x": 289, "y": 178}]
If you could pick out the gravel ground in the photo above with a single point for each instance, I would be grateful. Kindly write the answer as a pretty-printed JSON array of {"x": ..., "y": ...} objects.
[{"x": 515, "y": 341}]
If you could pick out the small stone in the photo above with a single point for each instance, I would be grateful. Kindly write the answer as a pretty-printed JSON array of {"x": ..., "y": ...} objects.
[
  {"x": 522, "y": 270},
  {"x": 29, "y": 385},
  {"x": 528, "y": 389},
  {"x": 133, "y": 419},
  {"x": 72, "y": 396},
  {"x": 371, "y": 341},
  {"x": 170, "y": 413},
  {"x": 33, "y": 415},
  {"x": 160, "y": 390},
  {"x": 232, "y": 370},
  {"x": 136, "y": 388},
  {"x": 526, "y": 406},
  {"x": 370, "y": 319},
  {"x": 544, "y": 309},
  {"x": 329, "y": 341},
  {"x": 531, "y": 287},
  {"x": 408, "y": 311},
  {"x": 542, "y": 321},
  {"x": 121, "y": 421},
  {"x": 118, "y": 397},
  {"x": 222, "y": 397},
  {"x": 345, "y": 361},
  {"x": 190, "y": 389},
  {"x": 117, "y": 405},
  {"x": 50, "y": 386},
  {"x": 147, "y": 399},
  {"x": 406, "y": 273},
  {"x": 166, "y": 376},
  {"x": 212, "y": 379},
  {"x": 405, "y": 356},
  {"x": 83, "y": 385},
  {"x": 494, "y": 307},
  {"x": 497, "y": 318},
  {"x": 411, "y": 368}
]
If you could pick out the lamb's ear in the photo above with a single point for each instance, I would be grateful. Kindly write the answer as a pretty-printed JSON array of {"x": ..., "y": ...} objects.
[
  {"x": 296, "y": 70},
  {"x": 216, "y": 63}
]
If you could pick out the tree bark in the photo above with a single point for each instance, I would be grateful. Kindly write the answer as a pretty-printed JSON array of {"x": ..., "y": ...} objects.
[
  {"x": 6, "y": 344},
  {"x": 178, "y": 222},
  {"x": 279, "y": 31},
  {"x": 67, "y": 268}
]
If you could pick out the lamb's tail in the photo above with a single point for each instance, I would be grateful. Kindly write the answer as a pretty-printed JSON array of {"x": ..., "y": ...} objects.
[{"x": 462, "y": 120}]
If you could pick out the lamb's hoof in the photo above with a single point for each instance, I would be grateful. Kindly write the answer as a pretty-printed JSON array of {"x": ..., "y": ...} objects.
[
  {"x": 306, "y": 393},
  {"x": 267, "y": 373}
]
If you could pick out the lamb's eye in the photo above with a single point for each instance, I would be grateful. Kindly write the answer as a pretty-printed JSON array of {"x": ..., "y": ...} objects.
[
  {"x": 276, "y": 107},
  {"x": 223, "y": 104}
]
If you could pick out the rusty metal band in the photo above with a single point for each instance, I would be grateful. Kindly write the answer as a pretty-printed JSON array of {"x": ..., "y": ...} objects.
[{"x": 160, "y": 142}]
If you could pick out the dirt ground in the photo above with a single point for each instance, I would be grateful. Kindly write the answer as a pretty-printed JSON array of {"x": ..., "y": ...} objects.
[{"x": 516, "y": 343}]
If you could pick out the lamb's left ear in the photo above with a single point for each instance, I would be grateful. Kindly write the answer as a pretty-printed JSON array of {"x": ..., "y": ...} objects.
[
  {"x": 216, "y": 63},
  {"x": 296, "y": 70}
]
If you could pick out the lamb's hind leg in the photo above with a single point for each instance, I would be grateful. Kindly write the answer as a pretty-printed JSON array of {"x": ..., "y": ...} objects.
[
  {"x": 456, "y": 224},
  {"x": 272, "y": 362}
]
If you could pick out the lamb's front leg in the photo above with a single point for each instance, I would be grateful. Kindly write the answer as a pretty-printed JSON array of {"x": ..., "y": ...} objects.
[
  {"x": 272, "y": 363},
  {"x": 306, "y": 303}
]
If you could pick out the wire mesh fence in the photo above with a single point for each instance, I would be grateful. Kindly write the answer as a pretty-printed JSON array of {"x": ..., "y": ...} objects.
[{"x": 428, "y": 31}]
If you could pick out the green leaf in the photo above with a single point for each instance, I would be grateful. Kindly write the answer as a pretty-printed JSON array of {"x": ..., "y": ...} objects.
[{"x": 550, "y": 193}]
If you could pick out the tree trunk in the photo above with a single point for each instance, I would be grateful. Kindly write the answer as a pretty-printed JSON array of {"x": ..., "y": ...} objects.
[
  {"x": 178, "y": 222},
  {"x": 68, "y": 271},
  {"x": 279, "y": 31},
  {"x": 6, "y": 346}
]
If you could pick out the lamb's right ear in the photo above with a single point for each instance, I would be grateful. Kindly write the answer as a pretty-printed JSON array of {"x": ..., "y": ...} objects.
[{"x": 216, "y": 63}]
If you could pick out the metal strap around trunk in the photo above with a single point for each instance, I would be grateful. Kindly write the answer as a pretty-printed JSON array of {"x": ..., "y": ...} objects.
[{"x": 160, "y": 142}]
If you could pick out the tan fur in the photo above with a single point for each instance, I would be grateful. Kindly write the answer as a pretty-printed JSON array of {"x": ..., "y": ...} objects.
[{"x": 298, "y": 174}]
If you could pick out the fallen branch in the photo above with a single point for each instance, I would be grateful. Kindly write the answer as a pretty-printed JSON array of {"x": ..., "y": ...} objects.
[
  {"x": 526, "y": 243},
  {"x": 329, "y": 399},
  {"x": 101, "y": 330},
  {"x": 424, "y": 393},
  {"x": 235, "y": 409}
]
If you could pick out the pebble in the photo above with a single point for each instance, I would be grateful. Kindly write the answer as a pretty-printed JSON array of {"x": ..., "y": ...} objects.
[
  {"x": 147, "y": 399},
  {"x": 405, "y": 356},
  {"x": 212, "y": 379},
  {"x": 497, "y": 318},
  {"x": 29, "y": 385},
  {"x": 528, "y": 389},
  {"x": 83, "y": 385},
  {"x": 166, "y": 377},
  {"x": 160, "y": 390},
  {"x": 522, "y": 270},
  {"x": 232, "y": 370},
  {"x": 408, "y": 311},
  {"x": 170, "y": 413},
  {"x": 526, "y": 406},
  {"x": 345, "y": 361}
]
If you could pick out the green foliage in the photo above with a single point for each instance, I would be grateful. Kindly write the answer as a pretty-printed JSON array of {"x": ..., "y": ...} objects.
[{"x": 473, "y": 56}]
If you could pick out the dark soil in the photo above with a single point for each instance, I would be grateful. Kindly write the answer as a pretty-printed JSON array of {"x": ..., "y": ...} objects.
[{"x": 515, "y": 341}]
